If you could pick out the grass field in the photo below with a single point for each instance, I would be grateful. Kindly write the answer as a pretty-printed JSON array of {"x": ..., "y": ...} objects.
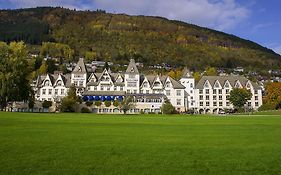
[{"x": 91, "y": 144}]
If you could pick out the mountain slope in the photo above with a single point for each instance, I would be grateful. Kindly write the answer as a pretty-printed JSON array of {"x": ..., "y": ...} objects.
[{"x": 119, "y": 37}]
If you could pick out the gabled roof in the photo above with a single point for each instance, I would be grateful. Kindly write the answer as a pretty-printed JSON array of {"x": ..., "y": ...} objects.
[
  {"x": 186, "y": 73},
  {"x": 54, "y": 77},
  {"x": 222, "y": 79},
  {"x": 80, "y": 67},
  {"x": 132, "y": 68}
]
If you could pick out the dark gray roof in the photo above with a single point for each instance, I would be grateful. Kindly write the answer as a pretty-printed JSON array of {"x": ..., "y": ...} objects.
[
  {"x": 222, "y": 79},
  {"x": 132, "y": 68},
  {"x": 105, "y": 93},
  {"x": 80, "y": 67},
  {"x": 176, "y": 84}
]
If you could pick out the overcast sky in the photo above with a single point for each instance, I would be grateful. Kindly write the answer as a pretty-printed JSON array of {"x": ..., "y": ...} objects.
[{"x": 257, "y": 20}]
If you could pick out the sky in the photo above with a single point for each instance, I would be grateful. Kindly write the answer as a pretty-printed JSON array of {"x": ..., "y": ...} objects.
[{"x": 255, "y": 20}]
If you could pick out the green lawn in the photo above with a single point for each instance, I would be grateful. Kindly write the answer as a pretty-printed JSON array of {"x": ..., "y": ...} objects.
[{"x": 91, "y": 144}]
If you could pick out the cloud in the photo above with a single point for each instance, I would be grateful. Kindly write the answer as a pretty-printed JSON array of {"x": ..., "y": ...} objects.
[
  {"x": 217, "y": 14},
  {"x": 277, "y": 49}
]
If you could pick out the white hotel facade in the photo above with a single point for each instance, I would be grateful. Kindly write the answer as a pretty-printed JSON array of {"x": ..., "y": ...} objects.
[{"x": 209, "y": 95}]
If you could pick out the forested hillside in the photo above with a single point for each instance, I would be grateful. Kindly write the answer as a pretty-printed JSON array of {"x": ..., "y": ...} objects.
[{"x": 103, "y": 36}]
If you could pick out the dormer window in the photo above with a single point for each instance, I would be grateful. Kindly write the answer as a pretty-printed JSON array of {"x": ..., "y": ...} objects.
[
  {"x": 168, "y": 84},
  {"x": 206, "y": 85},
  {"x": 237, "y": 84},
  {"x": 226, "y": 85},
  {"x": 47, "y": 83},
  {"x": 59, "y": 83},
  {"x": 217, "y": 85},
  {"x": 145, "y": 84},
  {"x": 79, "y": 69}
]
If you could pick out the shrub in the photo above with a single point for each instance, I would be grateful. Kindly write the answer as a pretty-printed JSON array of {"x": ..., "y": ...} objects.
[
  {"x": 85, "y": 110},
  {"x": 116, "y": 103},
  {"x": 107, "y": 103},
  {"x": 68, "y": 105},
  {"x": 47, "y": 104},
  {"x": 89, "y": 103},
  {"x": 267, "y": 106},
  {"x": 168, "y": 108},
  {"x": 97, "y": 103}
]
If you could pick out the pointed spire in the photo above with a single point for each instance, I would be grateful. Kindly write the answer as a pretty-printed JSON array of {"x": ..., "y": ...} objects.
[
  {"x": 80, "y": 67},
  {"x": 132, "y": 68}
]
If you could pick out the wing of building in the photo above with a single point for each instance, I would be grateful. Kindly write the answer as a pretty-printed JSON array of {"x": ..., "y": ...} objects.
[{"x": 149, "y": 91}]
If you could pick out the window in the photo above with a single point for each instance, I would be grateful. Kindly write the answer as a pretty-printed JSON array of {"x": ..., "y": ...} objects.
[
  {"x": 214, "y": 97},
  {"x": 217, "y": 85},
  {"x": 206, "y": 85},
  {"x": 132, "y": 84},
  {"x": 168, "y": 92},
  {"x": 214, "y": 91},
  {"x": 95, "y": 88},
  {"x": 108, "y": 88},
  {"x": 178, "y": 101},
  {"x": 47, "y": 83},
  {"x": 101, "y": 88},
  {"x": 178, "y": 92},
  {"x": 145, "y": 84},
  {"x": 59, "y": 83},
  {"x": 201, "y": 103},
  {"x": 226, "y": 85},
  {"x": 147, "y": 91},
  {"x": 220, "y": 91},
  {"x": 75, "y": 83},
  {"x": 131, "y": 76},
  {"x": 50, "y": 91},
  {"x": 201, "y": 91},
  {"x": 191, "y": 91},
  {"x": 227, "y": 103},
  {"x": 220, "y": 103},
  {"x": 227, "y": 97},
  {"x": 191, "y": 85},
  {"x": 115, "y": 88},
  {"x": 256, "y": 104},
  {"x": 62, "y": 91},
  {"x": 121, "y": 88},
  {"x": 207, "y": 103},
  {"x": 44, "y": 91},
  {"x": 249, "y": 103},
  {"x": 256, "y": 91},
  {"x": 214, "y": 103},
  {"x": 227, "y": 91},
  {"x": 207, "y": 91},
  {"x": 201, "y": 97},
  {"x": 256, "y": 98},
  {"x": 220, "y": 97},
  {"x": 56, "y": 91},
  {"x": 168, "y": 84},
  {"x": 81, "y": 83},
  {"x": 207, "y": 97}
]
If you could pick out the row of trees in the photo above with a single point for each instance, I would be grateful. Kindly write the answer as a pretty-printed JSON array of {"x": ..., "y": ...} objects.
[{"x": 272, "y": 99}]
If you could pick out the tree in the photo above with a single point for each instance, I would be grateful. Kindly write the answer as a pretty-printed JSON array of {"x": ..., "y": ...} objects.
[
  {"x": 211, "y": 71},
  {"x": 116, "y": 103},
  {"x": 47, "y": 104},
  {"x": 196, "y": 76},
  {"x": 43, "y": 68},
  {"x": 70, "y": 102},
  {"x": 97, "y": 103},
  {"x": 127, "y": 104},
  {"x": 14, "y": 73},
  {"x": 272, "y": 98},
  {"x": 239, "y": 97},
  {"x": 167, "y": 107},
  {"x": 107, "y": 103}
]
